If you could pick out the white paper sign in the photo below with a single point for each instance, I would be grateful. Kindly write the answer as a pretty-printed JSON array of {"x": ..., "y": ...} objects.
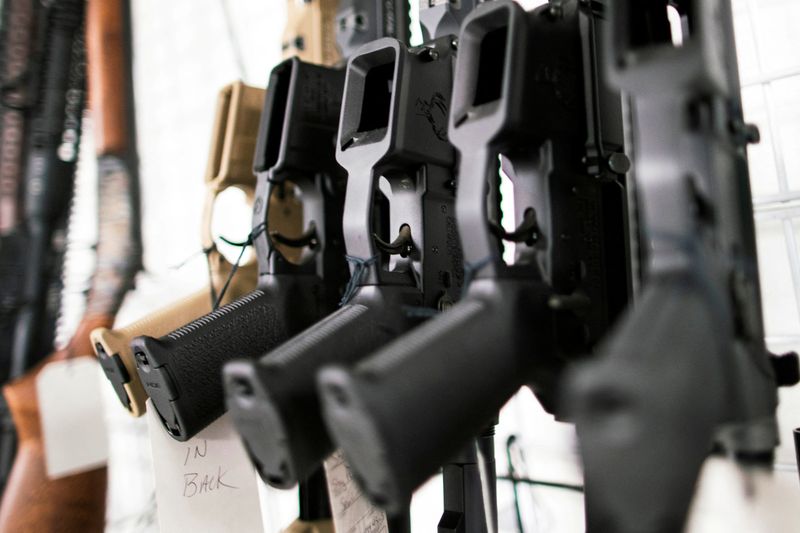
[
  {"x": 71, "y": 413},
  {"x": 206, "y": 483},
  {"x": 352, "y": 511}
]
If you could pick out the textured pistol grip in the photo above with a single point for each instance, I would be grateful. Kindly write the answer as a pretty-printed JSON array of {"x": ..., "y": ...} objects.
[
  {"x": 182, "y": 371},
  {"x": 274, "y": 401},
  {"x": 112, "y": 346},
  {"x": 406, "y": 410},
  {"x": 649, "y": 403}
]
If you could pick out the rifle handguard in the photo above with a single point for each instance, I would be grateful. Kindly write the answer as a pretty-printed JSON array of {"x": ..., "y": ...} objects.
[
  {"x": 181, "y": 371},
  {"x": 274, "y": 401},
  {"x": 385, "y": 412}
]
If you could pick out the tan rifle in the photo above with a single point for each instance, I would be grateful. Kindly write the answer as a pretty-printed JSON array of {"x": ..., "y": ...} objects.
[{"x": 310, "y": 32}]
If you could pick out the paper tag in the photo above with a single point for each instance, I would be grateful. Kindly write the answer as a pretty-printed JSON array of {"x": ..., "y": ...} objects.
[
  {"x": 352, "y": 511},
  {"x": 72, "y": 418},
  {"x": 206, "y": 483}
]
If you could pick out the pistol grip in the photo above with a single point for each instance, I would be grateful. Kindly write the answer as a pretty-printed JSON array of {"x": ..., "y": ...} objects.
[
  {"x": 402, "y": 413},
  {"x": 181, "y": 372},
  {"x": 646, "y": 409},
  {"x": 274, "y": 401}
]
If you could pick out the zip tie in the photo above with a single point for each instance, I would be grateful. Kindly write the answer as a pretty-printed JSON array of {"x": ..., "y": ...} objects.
[
  {"x": 360, "y": 269},
  {"x": 258, "y": 230}
]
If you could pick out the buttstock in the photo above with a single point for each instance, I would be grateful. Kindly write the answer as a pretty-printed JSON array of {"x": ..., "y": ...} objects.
[{"x": 31, "y": 501}]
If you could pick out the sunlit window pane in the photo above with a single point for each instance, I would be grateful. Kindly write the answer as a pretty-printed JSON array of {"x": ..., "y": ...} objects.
[
  {"x": 763, "y": 172},
  {"x": 786, "y": 99},
  {"x": 777, "y": 288},
  {"x": 778, "y": 35}
]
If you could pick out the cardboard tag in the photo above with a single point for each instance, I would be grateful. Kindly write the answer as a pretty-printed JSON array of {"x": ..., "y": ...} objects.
[
  {"x": 352, "y": 511},
  {"x": 206, "y": 483},
  {"x": 72, "y": 418}
]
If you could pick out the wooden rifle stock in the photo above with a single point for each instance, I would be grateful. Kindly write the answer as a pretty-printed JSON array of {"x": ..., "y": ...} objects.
[{"x": 31, "y": 501}]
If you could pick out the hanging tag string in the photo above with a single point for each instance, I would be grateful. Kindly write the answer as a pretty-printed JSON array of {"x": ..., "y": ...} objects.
[
  {"x": 258, "y": 230},
  {"x": 194, "y": 255},
  {"x": 360, "y": 270},
  {"x": 212, "y": 289}
]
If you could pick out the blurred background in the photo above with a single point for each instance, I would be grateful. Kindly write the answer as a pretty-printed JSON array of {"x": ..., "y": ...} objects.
[{"x": 186, "y": 50}]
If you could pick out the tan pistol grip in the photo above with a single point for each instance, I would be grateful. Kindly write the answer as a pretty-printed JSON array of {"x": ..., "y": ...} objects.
[{"x": 310, "y": 31}]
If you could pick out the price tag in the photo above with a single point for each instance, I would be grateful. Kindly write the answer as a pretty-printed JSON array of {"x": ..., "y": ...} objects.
[
  {"x": 72, "y": 417},
  {"x": 352, "y": 511},
  {"x": 206, "y": 483}
]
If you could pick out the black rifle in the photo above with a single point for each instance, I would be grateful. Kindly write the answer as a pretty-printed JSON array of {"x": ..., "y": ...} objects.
[
  {"x": 401, "y": 242},
  {"x": 687, "y": 369},
  {"x": 297, "y": 145},
  {"x": 359, "y": 22},
  {"x": 42, "y": 94},
  {"x": 181, "y": 372},
  {"x": 525, "y": 89},
  {"x": 50, "y": 94}
]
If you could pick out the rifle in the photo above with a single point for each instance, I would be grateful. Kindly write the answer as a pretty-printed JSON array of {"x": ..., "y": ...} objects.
[
  {"x": 310, "y": 277},
  {"x": 401, "y": 243},
  {"x": 19, "y": 64},
  {"x": 359, "y": 22},
  {"x": 310, "y": 32},
  {"x": 401, "y": 413},
  {"x": 686, "y": 371},
  {"x": 37, "y": 227},
  {"x": 292, "y": 293},
  {"x": 76, "y": 502},
  {"x": 232, "y": 142}
]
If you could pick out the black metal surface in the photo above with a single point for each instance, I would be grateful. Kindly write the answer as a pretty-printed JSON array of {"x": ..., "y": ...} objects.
[
  {"x": 686, "y": 370},
  {"x": 294, "y": 149},
  {"x": 399, "y": 166},
  {"x": 525, "y": 90},
  {"x": 359, "y": 22}
]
